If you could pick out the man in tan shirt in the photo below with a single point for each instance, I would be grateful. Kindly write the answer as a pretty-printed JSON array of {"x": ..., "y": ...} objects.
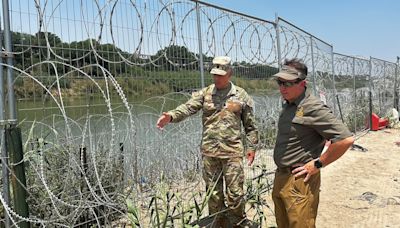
[{"x": 305, "y": 124}]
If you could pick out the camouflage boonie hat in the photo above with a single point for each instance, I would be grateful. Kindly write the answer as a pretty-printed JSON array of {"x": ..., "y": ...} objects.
[
  {"x": 290, "y": 73},
  {"x": 221, "y": 65}
]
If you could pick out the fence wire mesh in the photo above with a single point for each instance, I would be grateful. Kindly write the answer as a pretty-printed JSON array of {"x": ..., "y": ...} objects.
[
  {"x": 382, "y": 85},
  {"x": 317, "y": 55},
  {"x": 352, "y": 87}
]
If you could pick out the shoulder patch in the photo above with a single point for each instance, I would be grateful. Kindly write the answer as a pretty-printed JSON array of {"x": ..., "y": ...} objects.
[{"x": 300, "y": 112}]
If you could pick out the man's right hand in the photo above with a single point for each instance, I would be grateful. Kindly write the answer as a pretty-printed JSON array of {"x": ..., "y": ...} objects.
[
  {"x": 164, "y": 119},
  {"x": 250, "y": 155}
]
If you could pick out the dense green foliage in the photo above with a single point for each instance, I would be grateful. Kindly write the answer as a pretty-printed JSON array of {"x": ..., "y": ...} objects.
[{"x": 172, "y": 69}]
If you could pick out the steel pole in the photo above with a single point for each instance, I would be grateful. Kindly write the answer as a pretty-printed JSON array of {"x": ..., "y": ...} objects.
[
  {"x": 278, "y": 41},
  {"x": 200, "y": 45},
  {"x": 370, "y": 93},
  {"x": 396, "y": 86},
  {"x": 13, "y": 137},
  {"x": 12, "y": 114},
  {"x": 4, "y": 153},
  {"x": 354, "y": 95},
  {"x": 333, "y": 81},
  {"x": 313, "y": 68}
]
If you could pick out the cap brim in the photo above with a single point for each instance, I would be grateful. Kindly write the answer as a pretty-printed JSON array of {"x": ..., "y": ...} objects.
[
  {"x": 286, "y": 76},
  {"x": 218, "y": 71}
]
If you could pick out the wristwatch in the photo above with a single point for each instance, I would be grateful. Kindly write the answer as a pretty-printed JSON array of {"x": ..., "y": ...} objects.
[{"x": 318, "y": 163}]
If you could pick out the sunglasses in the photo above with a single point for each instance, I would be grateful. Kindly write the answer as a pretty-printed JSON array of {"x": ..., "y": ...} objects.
[{"x": 288, "y": 84}]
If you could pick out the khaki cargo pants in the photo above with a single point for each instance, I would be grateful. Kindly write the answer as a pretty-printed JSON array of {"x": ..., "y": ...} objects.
[
  {"x": 233, "y": 175},
  {"x": 296, "y": 202}
]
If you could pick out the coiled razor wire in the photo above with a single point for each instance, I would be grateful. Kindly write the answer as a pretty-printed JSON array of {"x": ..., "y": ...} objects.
[{"x": 255, "y": 42}]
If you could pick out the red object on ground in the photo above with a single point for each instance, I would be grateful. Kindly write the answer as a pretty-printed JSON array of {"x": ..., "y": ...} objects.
[{"x": 378, "y": 123}]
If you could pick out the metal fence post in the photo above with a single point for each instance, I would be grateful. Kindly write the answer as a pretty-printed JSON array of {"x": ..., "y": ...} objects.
[
  {"x": 396, "y": 84},
  {"x": 200, "y": 45},
  {"x": 4, "y": 153},
  {"x": 355, "y": 94},
  {"x": 18, "y": 178},
  {"x": 370, "y": 93},
  {"x": 313, "y": 68},
  {"x": 14, "y": 143},
  {"x": 8, "y": 50},
  {"x": 384, "y": 97},
  {"x": 278, "y": 41},
  {"x": 333, "y": 80}
]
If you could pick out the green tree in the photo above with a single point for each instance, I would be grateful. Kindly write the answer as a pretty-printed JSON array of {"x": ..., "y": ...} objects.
[{"x": 175, "y": 57}]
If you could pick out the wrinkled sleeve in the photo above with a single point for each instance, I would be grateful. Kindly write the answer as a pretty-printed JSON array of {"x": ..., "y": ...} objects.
[
  {"x": 193, "y": 105},
  {"x": 249, "y": 124},
  {"x": 327, "y": 125}
]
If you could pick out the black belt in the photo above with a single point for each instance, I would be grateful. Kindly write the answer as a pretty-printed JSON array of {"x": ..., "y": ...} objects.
[{"x": 286, "y": 169}]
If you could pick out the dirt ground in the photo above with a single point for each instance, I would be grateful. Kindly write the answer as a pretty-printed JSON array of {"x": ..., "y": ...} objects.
[{"x": 361, "y": 189}]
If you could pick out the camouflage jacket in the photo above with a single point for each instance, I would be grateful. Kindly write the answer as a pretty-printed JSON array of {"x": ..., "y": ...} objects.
[{"x": 222, "y": 121}]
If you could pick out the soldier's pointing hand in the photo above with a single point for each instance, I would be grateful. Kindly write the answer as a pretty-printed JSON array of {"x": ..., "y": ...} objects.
[{"x": 164, "y": 119}]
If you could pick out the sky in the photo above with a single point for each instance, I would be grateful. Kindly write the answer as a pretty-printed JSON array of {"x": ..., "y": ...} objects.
[{"x": 354, "y": 27}]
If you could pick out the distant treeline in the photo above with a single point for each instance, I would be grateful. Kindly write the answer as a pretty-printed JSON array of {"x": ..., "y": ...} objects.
[{"x": 172, "y": 69}]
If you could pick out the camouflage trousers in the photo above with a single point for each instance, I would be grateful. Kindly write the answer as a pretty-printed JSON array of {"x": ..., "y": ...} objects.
[{"x": 230, "y": 170}]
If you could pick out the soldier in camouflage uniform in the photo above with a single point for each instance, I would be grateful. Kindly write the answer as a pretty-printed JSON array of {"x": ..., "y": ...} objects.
[{"x": 227, "y": 109}]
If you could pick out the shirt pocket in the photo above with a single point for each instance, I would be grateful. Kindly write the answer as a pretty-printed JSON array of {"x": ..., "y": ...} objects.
[{"x": 234, "y": 106}]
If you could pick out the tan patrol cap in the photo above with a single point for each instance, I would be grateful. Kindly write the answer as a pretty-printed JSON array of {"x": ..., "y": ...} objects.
[
  {"x": 221, "y": 64},
  {"x": 290, "y": 73}
]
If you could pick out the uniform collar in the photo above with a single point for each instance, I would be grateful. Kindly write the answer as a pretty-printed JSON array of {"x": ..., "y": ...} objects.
[{"x": 231, "y": 92}]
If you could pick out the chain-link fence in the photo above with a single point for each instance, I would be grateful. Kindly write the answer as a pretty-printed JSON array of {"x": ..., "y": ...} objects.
[
  {"x": 317, "y": 55},
  {"x": 92, "y": 77},
  {"x": 352, "y": 90},
  {"x": 383, "y": 80}
]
